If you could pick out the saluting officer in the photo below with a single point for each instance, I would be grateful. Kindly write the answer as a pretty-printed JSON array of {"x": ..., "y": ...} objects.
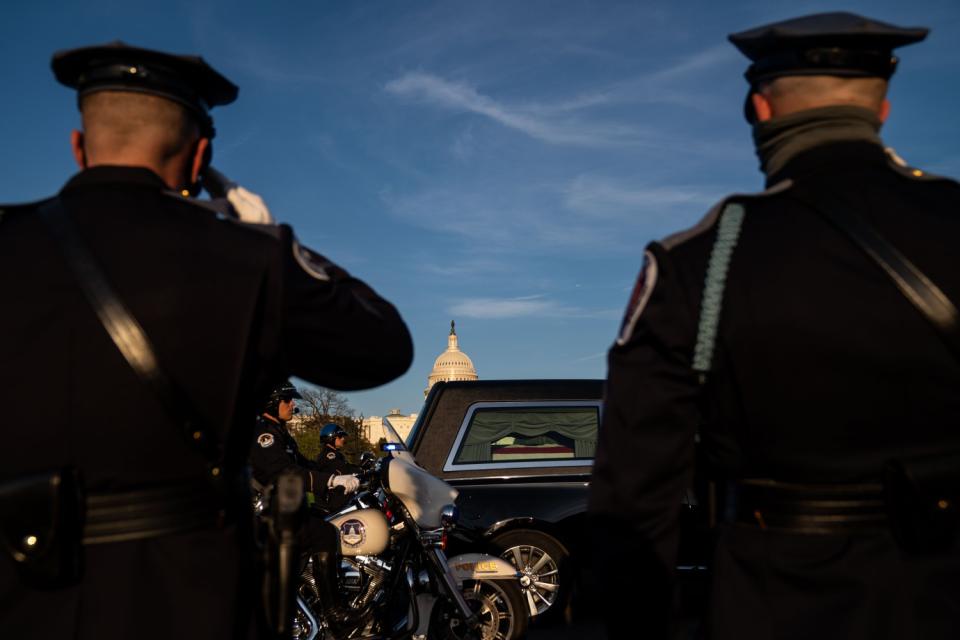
[
  {"x": 769, "y": 332},
  {"x": 160, "y": 323},
  {"x": 331, "y": 456}
]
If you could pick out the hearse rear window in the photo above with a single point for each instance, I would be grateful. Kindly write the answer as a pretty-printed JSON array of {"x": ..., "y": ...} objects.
[{"x": 529, "y": 435}]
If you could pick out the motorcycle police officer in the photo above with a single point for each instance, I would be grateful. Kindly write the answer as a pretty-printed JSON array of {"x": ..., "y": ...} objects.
[
  {"x": 276, "y": 451},
  {"x": 130, "y": 522},
  {"x": 331, "y": 456},
  {"x": 772, "y": 334}
]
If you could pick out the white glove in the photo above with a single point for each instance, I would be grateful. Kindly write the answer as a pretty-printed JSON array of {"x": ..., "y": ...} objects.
[
  {"x": 350, "y": 483},
  {"x": 249, "y": 206}
]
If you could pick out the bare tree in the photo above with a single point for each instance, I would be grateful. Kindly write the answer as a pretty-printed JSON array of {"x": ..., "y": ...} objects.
[
  {"x": 324, "y": 404},
  {"x": 321, "y": 406}
]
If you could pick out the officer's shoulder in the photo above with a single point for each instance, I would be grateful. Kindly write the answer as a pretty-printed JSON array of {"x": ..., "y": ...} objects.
[
  {"x": 900, "y": 166},
  {"x": 219, "y": 210},
  {"x": 14, "y": 210},
  {"x": 712, "y": 218},
  {"x": 263, "y": 424}
]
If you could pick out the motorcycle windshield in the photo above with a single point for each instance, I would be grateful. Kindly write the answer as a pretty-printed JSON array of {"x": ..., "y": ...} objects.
[
  {"x": 423, "y": 495},
  {"x": 395, "y": 445}
]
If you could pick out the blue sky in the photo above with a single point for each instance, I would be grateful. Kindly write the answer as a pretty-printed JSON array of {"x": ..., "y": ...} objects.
[{"x": 500, "y": 163}]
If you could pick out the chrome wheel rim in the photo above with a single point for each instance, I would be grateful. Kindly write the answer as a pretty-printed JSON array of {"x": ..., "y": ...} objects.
[
  {"x": 490, "y": 603},
  {"x": 540, "y": 576}
]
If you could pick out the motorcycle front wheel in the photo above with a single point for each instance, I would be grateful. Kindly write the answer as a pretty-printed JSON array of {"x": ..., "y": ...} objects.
[{"x": 498, "y": 604}]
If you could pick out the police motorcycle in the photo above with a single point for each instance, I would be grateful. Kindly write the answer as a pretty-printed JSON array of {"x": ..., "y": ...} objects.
[{"x": 398, "y": 582}]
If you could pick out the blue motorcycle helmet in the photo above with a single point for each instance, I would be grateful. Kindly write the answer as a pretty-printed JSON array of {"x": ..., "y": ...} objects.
[{"x": 331, "y": 432}]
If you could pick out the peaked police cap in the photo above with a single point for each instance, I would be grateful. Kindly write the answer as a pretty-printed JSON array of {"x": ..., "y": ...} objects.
[{"x": 117, "y": 66}]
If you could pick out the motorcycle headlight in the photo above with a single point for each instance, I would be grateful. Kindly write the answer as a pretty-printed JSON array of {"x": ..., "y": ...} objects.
[{"x": 449, "y": 515}]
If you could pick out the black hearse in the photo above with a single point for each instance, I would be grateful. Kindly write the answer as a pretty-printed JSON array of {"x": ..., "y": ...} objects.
[{"x": 520, "y": 452}]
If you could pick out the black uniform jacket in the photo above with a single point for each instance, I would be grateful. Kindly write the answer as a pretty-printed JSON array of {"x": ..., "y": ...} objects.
[
  {"x": 230, "y": 309},
  {"x": 332, "y": 459},
  {"x": 275, "y": 451},
  {"x": 823, "y": 371}
]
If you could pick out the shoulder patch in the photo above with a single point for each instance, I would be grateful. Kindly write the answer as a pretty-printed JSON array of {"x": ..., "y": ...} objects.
[
  {"x": 310, "y": 262},
  {"x": 265, "y": 440},
  {"x": 642, "y": 290},
  {"x": 331, "y": 456},
  {"x": 710, "y": 220}
]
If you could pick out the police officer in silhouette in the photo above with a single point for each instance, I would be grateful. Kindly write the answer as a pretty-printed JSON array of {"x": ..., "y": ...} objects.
[
  {"x": 161, "y": 320},
  {"x": 769, "y": 334}
]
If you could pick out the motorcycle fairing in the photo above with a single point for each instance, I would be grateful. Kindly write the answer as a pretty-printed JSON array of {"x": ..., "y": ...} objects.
[{"x": 421, "y": 494}]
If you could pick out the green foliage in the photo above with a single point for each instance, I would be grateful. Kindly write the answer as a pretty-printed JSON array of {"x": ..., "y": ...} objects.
[{"x": 308, "y": 440}]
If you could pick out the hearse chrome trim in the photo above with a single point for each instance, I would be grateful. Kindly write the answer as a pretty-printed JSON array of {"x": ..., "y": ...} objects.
[{"x": 449, "y": 465}]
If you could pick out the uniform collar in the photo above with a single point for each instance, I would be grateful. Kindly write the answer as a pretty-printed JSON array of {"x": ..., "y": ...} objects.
[
  {"x": 115, "y": 174},
  {"x": 831, "y": 159}
]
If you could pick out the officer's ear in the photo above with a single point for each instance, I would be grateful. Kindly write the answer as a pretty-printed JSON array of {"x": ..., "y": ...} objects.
[
  {"x": 884, "y": 110},
  {"x": 76, "y": 144},
  {"x": 202, "y": 155},
  {"x": 761, "y": 107}
]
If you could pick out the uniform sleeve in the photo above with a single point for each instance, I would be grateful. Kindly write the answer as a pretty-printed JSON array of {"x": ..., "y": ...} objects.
[
  {"x": 335, "y": 463},
  {"x": 315, "y": 479},
  {"x": 269, "y": 458},
  {"x": 645, "y": 453},
  {"x": 327, "y": 461},
  {"x": 337, "y": 331}
]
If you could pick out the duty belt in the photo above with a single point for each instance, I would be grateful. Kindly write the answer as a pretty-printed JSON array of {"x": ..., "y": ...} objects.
[
  {"x": 807, "y": 508},
  {"x": 121, "y": 516}
]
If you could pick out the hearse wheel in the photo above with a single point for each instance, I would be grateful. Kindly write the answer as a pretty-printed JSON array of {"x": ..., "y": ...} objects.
[{"x": 541, "y": 559}]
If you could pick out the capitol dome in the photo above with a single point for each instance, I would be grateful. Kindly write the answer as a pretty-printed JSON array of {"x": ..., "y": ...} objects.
[{"x": 452, "y": 364}]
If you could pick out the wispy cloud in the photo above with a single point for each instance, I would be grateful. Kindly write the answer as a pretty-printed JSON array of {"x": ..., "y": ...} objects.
[
  {"x": 500, "y": 308},
  {"x": 587, "y": 213},
  {"x": 465, "y": 268},
  {"x": 458, "y": 96},
  {"x": 230, "y": 146},
  {"x": 704, "y": 60},
  {"x": 521, "y": 307},
  {"x": 592, "y": 356},
  {"x": 602, "y": 197},
  {"x": 564, "y": 121},
  {"x": 669, "y": 85}
]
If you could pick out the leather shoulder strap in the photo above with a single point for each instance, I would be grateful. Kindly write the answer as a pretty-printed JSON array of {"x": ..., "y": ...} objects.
[
  {"x": 126, "y": 332},
  {"x": 932, "y": 303}
]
